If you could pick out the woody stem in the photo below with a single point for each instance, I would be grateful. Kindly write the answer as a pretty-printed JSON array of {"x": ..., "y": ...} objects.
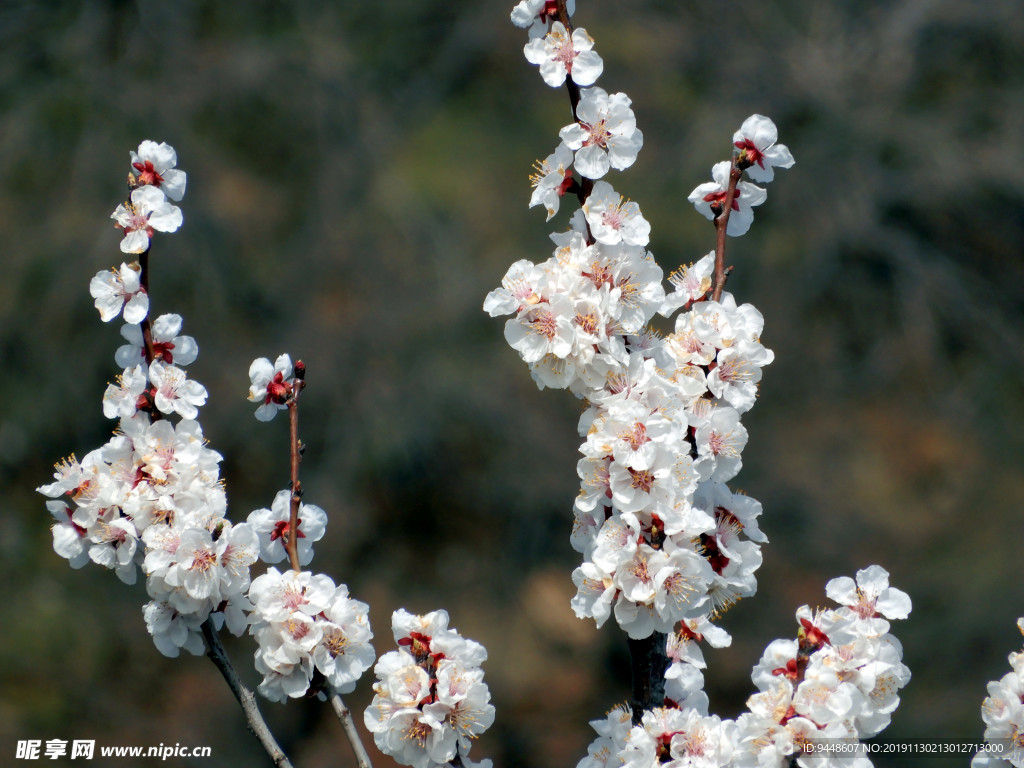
[
  {"x": 295, "y": 448},
  {"x": 721, "y": 225}
]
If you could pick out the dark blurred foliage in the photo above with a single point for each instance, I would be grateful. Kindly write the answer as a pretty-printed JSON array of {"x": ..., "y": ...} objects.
[{"x": 358, "y": 182}]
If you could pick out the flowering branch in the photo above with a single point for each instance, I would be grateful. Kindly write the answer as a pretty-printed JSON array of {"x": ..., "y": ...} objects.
[
  {"x": 246, "y": 698},
  {"x": 288, "y": 390},
  {"x": 147, "y": 328},
  {"x": 295, "y": 449},
  {"x": 152, "y": 497},
  {"x": 721, "y": 225},
  {"x": 574, "y": 90},
  {"x": 668, "y": 547}
]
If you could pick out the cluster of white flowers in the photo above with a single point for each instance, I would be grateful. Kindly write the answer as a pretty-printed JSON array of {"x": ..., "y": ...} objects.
[
  {"x": 838, "y": 681},
  {"x": 431, "y": 700},
  {"x": 1003, "y": 713},
  {"x": 152, "y": 496},
  {"x": 303, "y": 624},
  {"x": 157, "y": 183},
  {"x": 667, "y": 545},
  {"x": 664, "y": 539}
]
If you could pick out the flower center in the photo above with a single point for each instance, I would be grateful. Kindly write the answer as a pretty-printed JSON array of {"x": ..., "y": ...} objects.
[
  {"x": 147, "y": 173},
  {"x": 545, "y": 324},
  {"x": 597, "y": 134},
  {"x": 642, "y": 479}
]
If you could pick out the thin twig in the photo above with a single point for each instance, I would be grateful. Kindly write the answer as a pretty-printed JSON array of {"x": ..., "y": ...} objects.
[
  {"x": 348, "y": 724},
  {"x": 574, "y": 90},
  {"x": 586, "y": 186},
  {"x": 246, "y": 698},
  {"x": 722, "y": 224},
  {"x": 147, "y": 327},
  {"x": 292, "y": 543}
]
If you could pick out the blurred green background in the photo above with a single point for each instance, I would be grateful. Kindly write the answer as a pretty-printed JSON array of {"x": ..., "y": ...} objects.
[{"x": 358, "y": 182}]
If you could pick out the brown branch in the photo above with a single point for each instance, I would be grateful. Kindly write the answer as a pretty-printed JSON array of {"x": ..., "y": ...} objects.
[
  {"x": 570, "y": 84},
  {"x": 649, "y": 657},
  {"x": 721, "y": 225},
  {"x": 586, "y": 186},
  {"x": 246, "y": 698},
  {"x": 295, "y": 448},
  {"x": 348, "y": 724},
  {"x": 147, "y": 327},
  {"x": 147, "y": 400}
]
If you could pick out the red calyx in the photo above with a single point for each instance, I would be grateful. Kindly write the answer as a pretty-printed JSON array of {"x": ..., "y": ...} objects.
[
  {"x": 281, "y": 528},
  {"x": 713, "y": 554},
  {"x": 685, "y": 633},
  {"x": 148, "y": 174},
  {"x": 717, "y": 200},
  {"x": 418, "y": 643},
  {"x": 791, "y": 671},
  {"x": 749, "y": 154},
  {"x": 567, "y": 182},
  {"x": 810, "y": 636},
  {"x": 664, "y": 746},
  {"x": 163, "y": 350},
  {"x": 278, "y": 390}
]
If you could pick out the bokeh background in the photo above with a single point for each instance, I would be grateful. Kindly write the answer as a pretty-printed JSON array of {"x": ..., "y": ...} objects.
[{"x": 358, "y": 182}]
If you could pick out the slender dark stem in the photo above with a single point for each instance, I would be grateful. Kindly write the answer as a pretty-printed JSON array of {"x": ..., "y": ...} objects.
[
  {"x": 586, "y": 186},
  {"x": 570, "y": 84},
  {"x": 649, "y": 660},
  {"x": 147, "y": 326},
  {"x": 292, "y": 544},
  {"x": 348, "y": 724},
  {"x": 649, "y": 657},
  {"x": 246, "y": 698},
  {"x": 722, "y": 224},
  {"x": 148, "y": 349}
]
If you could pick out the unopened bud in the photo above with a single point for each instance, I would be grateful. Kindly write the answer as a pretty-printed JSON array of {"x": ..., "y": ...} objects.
[{"x": 300, "y": 370}]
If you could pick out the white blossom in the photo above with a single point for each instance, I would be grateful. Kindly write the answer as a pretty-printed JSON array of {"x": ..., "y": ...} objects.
[
  {"x": 430, "y": 701},
  {"x": 154, "y": 163},
  {"x": 758, "y": 143},
  {"x": 605, "y": 135},
  {"x": 270, "y": 385},
  {"x": 534, "y": 15},
  {"x": 148, "y": 212},
  {"x": 709, "y": 199},
  {"x": 115, "y": 289},
  {"x": 613, "y": 220},
  {"x": 560, "y": 54}
]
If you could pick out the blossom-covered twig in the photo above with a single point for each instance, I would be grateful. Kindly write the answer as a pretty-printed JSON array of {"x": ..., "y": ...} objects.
[
  {"x": 667, "y": 545},
  {"x": 295, "y": 449},
  {"x": 288, "y": 390},
  {"x": 147, "y": 328},
  {"x": 313, "y": 638},
  {"x": 721, "y": 227}
]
